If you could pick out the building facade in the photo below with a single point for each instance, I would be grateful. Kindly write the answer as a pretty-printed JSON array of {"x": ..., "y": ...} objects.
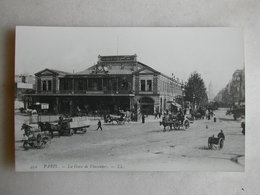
[
  {"x": 237, "y": 88},
  {"x": 114, "y": 83},
  {"x": 234, "y": 92},
  {"x": 24, "y": 84}
]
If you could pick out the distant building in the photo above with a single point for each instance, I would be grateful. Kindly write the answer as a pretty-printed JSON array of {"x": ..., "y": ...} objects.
[
  {"x": 238, "y": 86},
  {"x": 24, "y": 84},
  {"x": 234, "y": 92},
  {"x": 114, "y": 83}
]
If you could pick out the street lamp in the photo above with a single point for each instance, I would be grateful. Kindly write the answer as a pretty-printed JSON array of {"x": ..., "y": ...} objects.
[{"x": 182, "y": 89}]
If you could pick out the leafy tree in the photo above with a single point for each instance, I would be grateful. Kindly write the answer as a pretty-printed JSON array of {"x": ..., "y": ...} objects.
[{"x": 195, "y": 90}]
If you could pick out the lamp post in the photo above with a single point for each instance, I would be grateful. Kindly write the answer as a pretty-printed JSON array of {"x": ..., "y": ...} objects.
[
  {"x": 182, "y": 90},
  {"x": 193, "y": 101}
]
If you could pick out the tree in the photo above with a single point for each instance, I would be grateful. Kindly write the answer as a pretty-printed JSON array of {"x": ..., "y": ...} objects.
[{"x": 195, "y": 90}]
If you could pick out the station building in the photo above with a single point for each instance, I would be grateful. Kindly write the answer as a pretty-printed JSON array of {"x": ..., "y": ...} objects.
[{"x": 114, "y": 83}]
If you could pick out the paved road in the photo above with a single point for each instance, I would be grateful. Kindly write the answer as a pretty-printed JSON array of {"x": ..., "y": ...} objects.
[{"x": 137, "y": 146}]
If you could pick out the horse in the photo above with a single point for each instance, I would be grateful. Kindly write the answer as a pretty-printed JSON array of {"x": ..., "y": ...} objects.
[{"x": 45, "y": 126}]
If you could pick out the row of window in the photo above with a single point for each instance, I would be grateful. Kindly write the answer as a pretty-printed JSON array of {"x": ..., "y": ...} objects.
[
  {"x": 104, "y": 84},
  {"x": 169, "y": 87},
  {"x": 96, "y": 84}
]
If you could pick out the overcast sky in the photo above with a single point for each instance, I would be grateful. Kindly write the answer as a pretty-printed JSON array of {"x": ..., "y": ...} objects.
[{"x": 215, "y": 53}]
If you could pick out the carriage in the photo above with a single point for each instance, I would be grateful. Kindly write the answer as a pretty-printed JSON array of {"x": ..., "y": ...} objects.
[
  {"x": 215, "y": 142},
  {"x": 175, "y": 122},
  {"x": 118, "y": 119},
  {"x": 33, "y": 138},
  {"x": 64, "y": 127}
]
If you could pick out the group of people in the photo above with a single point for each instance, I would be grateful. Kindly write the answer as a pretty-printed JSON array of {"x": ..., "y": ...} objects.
[
  {"x": 157, "y": 115},
  {"x": 209, "y": 113}
]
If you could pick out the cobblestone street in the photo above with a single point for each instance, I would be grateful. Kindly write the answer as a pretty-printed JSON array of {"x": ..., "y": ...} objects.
[{"x": 140, "y": 147}]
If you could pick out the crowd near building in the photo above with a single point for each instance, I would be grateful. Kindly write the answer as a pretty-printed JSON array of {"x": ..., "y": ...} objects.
[{"x": 114, "y": 83}]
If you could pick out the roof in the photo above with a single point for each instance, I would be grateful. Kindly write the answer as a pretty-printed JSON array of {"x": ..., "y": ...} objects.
[
  {"x": 57, "y": 72},
  {"x": 110, "y": 72}
]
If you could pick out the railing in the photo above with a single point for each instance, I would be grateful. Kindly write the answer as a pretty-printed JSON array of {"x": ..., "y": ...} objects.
[{"x": 90, "y": 91}]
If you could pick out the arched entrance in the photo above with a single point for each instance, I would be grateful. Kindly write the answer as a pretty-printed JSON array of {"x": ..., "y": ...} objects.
[{"x": 146, "y": 105}]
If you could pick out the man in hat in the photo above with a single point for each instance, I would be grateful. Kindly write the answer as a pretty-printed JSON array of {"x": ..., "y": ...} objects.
[
  {"x": 99, "y": 125},
  {"x": 221, "y": 135}
]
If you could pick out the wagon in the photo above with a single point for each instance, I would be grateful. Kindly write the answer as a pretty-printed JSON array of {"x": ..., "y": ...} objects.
[
  {"x": 119, "y": 119},
  {"x": 174, "y": 122},
  {"x": 33, "y": 137},
  {"x": 79, "y": 127},
  {"x": 66, "y": 127},
  {"x": 215, "y": 142}
]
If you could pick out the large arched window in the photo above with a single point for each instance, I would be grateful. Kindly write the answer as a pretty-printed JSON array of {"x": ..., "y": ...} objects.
[{"x": 46, "y": 85}]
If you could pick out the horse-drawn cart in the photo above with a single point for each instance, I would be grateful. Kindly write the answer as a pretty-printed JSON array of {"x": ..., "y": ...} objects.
[
  {"x": 215, "y": 142},
  {"x": 64, "y": 127},
  {"x": 118, "y": 119},
  {"x": 33, "y": 137},
  {"x": 175, "y": 122}
]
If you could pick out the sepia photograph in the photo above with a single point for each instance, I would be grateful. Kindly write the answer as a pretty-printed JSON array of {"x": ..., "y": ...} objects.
[{"x": 129, "y": 99}]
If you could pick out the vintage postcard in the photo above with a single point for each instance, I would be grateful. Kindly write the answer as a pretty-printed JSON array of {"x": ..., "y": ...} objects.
[{"x": 129, "y": 99}]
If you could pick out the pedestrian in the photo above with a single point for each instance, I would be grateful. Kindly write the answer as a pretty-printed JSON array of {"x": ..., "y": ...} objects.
[
  {"x": 243, "y": 125},
  {"x": 143, "y": 118},
  {"x": 156, "y": 115},
  {"x": 209, "y": 114},
  {"x": 206, "y": 113},
  {"x": 99, "y": 125},
  {"x": 214, "y": 117}
]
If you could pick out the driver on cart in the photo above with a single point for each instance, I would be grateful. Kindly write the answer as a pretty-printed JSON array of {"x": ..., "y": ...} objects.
[
  {"x": 60, "y": 120},
  {"x": 221, "y": 135},
  {"x": 180, "y": 116}
]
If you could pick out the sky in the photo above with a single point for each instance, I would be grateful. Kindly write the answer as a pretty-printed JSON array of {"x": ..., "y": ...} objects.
[{"x": 213, "y": 52}]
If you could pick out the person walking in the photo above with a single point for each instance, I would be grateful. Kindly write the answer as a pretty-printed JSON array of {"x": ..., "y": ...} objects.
[
  {"x": 99, "y": 125},
  {"x": 143, "y": 118},
  {"x": 156, "y": 115}
]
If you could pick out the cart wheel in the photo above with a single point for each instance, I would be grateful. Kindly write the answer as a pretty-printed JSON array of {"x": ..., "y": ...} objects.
[
  {"x": 70, "y": 132},
  {"x": 25, "y": 145},
  {"x": 186, "y": 124},
  {"x": 45, "y": 140},
  {"x": 209, "y": 143},
  {"x": 176, "y": 126}
]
